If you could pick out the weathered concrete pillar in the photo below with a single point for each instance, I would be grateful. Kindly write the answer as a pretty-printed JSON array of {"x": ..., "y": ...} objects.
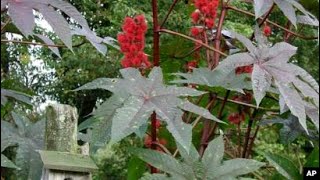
[{"x": 61, "y": 128}]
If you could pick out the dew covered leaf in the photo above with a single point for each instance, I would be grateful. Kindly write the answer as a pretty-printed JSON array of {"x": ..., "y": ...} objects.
[
  {"x": 161, "y": 161},
  {"x": 215, "y": 78},
  {"x": 261, "y": 82},
  {"x": 148, "y": 95}
]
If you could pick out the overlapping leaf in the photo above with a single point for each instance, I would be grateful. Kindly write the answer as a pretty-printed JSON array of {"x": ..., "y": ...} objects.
[
  {"x": 216, "y": 78},
  {"x": 5, "y": 93},
  {"x": 101, "y": 121},
  {"x": 148, "y": 95},
  {"x": 291, "y": 128},
  {"x": 21, "y": 13},
  {"x": 271, "y": 67},
  {"x": 192, "y": 167},
  {"x": 288, "y": 7},
  {"x": 29, "y": 138},
  {"x": 284, "y": 166}
]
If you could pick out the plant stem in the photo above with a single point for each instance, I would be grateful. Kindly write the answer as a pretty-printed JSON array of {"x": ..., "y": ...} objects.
[
  {"x": 239, "y": 139},
  {"x": 273, "y": 23},
  {"x": 246, "y": 141},
  {"x": 217, "y": 41},
  {"x": 189, "y": 53},
  {"x": 192, "y": 39},
  {"x": 213, "y": 129},
  {"x": 168, "y": 13},
  {"x": 153, "y": 136},
  {"x": 264, "y": 19},
  {"x": 248, "y": 105},
  {"x": 252, "y": 142},
  {"x": 156, "y": 62},
  {"x": 206, "y": 129}
]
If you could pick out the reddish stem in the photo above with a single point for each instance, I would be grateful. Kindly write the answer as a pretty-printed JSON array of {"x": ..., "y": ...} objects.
[
  {"x": 168, "y": 13},
  {"x": 217, "y": 41},
  {"x": 206, "y": 129},
  {"x": 246, "y": 141},
  {"x": 156, "y": 62}
]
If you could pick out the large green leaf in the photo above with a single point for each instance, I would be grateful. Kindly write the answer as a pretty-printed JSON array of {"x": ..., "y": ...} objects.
[
  {"x": 148, "y": 95},
  {"x": 161, "y": 161},
  {"x": 192, "y": 167},
  {"x": 235, "y": 167},
  {"x": 5, "y": 93},
  {"x": 136, "y": 168},
  {"x": 284, "y": 166},
  {"x": 271, "y": 64},
  {"x": 213, "y": 155},
  {"x": 29, "y": 137},
  {"x": 313, "y": 158},
  {"x": 215, "y": 78},
  {"x": 5, "y": 162}
]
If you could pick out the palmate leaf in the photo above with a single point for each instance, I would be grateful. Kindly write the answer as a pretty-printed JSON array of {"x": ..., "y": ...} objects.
[
  {"x": 101, "y": 122},
  {"x": 216, "y": 78},
  {"x": 192, "y": 167},
  {"x": 29, "y": 137},
  {"x": 288, "y": 7},
  {"x": 59, "y": 25},
  {"x": 148, "y": 95},
  {"x": 161, "y": 161},
  {"x": 22, "y": 16},
  {"x": 21, "y": 13},
  {"x": 272, "y": 68},
  {"x": 261, "y": 82}
]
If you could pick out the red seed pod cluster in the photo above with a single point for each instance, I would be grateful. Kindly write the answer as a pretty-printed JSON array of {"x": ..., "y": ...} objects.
[
  {"x": 244, "y": 69},
  {"x": 132, "y": 42},
  {"x": 205, "y": 13},
  {"x": 236, "y": 118},
  {"x": 191, "y": 65},
  {"x": 267, "y": 30}
]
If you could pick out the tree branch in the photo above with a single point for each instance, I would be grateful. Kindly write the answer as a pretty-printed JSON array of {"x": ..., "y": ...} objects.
[
  {"x": 192, "y": 39},
  {"x": 169, "y": 12},
  {"x": 273, "y": 23}
]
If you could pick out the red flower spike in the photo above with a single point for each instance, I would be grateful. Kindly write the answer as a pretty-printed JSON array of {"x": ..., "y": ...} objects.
[
  {"x": 267, "y": 30},
  {"x": 132, "y": 42}
]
